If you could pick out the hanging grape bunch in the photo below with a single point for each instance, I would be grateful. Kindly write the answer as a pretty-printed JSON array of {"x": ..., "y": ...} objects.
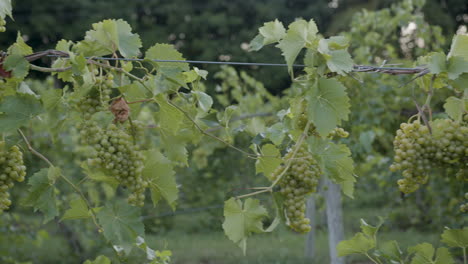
[
  {"x": 97, "y": 99},
  {"x": 114, "y": 152},
  {"x": 300, "y": 180},
  {"x": 11, "y": 169},
  {"x": 418, "y": 151}
]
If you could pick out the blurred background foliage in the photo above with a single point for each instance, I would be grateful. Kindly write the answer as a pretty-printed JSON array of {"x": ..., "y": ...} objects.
[{"x": 221, "y": 30}]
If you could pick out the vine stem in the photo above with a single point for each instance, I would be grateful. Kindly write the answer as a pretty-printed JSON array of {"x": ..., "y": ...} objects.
[
  {"x": 373, "y": 260},
  {"x": 288, "y": 165},
  {"x": 250, "y": 155},
  {"x": 75, "y": 188}
]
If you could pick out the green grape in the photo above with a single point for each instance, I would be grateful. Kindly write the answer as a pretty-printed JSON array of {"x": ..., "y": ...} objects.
[
  {"x": 115, "y": 153},
  {"x": 418, "y": 152},
  {"x": 11, "y": 169},
  {"x": 299, "y": 181},
  {"x": 301, "y": 124}
]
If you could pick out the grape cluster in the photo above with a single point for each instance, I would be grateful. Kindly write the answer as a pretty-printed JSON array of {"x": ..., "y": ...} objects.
[
  {"x": 418, "y": 151},
  {"x": 97, "y": 99},
  {"x": 338, "y": 132},
  {"x": 11, "y": 169},
  {"x": 301, "y": 123},
  {"x": 2, "y": 24},
  {"x": 300, "y": 180},
  {"x": 115, "y": 153}
]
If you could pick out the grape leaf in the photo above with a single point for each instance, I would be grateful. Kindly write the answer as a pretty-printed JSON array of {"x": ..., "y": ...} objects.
[
  {"x": 424, "y": 254},
  {"x": 5, "y": 8},
  {"x": 241, "y": 220},
  {"x": 457, "y": 66},
  {"x": 166, "y": 52},
  {"x": 458, "y": 47},
  {"x": 20, "y": 47},
  {"x": 41, "y": 194},
  {"x": 18, "y": 110},
  {"x": 17, "y": 64},
  {"x": 175, "y": 149},
  {"x": 269, "y": 161},
  {"x": 456, "y": 237},
  {"x": 160, "y": 175},
  {"x": 334, "y": 52},
  {"x": 256, "y": 43},
  {"x": 204, "y": 100},
  {"x": 110, "y": 36},
  {"x": 359, "y": 244},
  {"x": 455, "y": 107},
  {"x": 336, "y": 162},
  {"x": 437, "y": 63},
  {"x": 51, "y": 98},
  {"x": 300, "y": 33},
  {"x": 170, "y": 118},
  {"x": 391, "y": 250},
  {"x": 272, "y": 32},
  {"x": 328, "y": 104},
  {"x": 77, "y": 210},
  {"x": 99, "y": 260},
  {"x": 121, "y": 224}
]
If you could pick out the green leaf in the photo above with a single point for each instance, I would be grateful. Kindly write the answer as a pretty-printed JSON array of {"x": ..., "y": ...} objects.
[
  {"x": 424, "y": 254},
  {"x": 77, "y": 210},
  {"x": 5, "y": 8},
  {"x": 272, "y": 32},
  {"x": 455, "y": 107},
  {"x": 457, "y": 66},
  {"x": 391, "y": 251},
  {"x": 241, "y": 220},
  {"x": 359, "y": 244},
  {"x": 160, "y": 175},
  {"x": 51, "y": 98},
  {"x": 16, "y": 111},
  {"x": 276, "y": 133},
  {"x": 458, "y": 47},
  {"x": 269, "y": 161},
  {"x": 121, "y": 224},
  {"x": 17, "y": 64},
  {"x": 166, "y": 52},
  {"x": 371, "y": 231},
  {"x": 256, "y": 43},
  {"x": 20, "y": 47},
  {"x": 99, "y": 260},
  {"x": 41, "y": 194},
  {"x": 456, "y": 237},
  {"x": 110, "y": 36},
  {"x": 328, "y": 105},
  {"x": 334, "y": 52},
  {"x": 170, "y": 118},
  {"x": 336, "y": 162},
  {"x": 204, "y": 101},
  {"x": 437, "y": 63},
  {"x": 300, "y": 33}
]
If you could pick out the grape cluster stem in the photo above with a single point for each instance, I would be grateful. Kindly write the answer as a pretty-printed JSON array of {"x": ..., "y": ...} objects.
[{"x": 288, "y": 164}]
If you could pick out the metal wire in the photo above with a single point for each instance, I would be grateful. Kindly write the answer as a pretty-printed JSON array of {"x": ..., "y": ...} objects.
[
  {"x": 192, "y": 61},
  {"x": 421, "y": 70}
]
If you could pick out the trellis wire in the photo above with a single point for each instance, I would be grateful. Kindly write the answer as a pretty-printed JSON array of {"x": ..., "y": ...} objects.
[{"x": 356, "y": 68}]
